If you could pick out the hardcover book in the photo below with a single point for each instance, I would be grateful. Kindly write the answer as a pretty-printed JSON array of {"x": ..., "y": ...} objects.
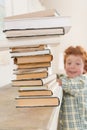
[
  {"x": 28, "y": 48},
  {"x": 32, "y": 53},
  {"x": 35, "y": 87},
  {"x": 27, "y": 93},
  {"x": 33, "y": 59},
  {"x": 61, "y": 22},
  {"x": 34, "y": 75},
  {"x": 47, "y": 86},
  {"x": 33, "y": 65},
  {"x": 25, "y": 71},
  {"x": 37, "y": 101},
  {"x": 34, "y": 32},
  {"x": 46, "y": 40}
]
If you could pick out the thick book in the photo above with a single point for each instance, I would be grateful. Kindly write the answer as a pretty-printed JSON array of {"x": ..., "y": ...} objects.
[
  {"x": 33, "y": 59},
  {"x": 60, "y": 22},
  {"x": 40, "y": 101},
  {"x": 26, "y": 93},
  {"x": 46, "y": 40},
  {"x": 33, "y": 65},
  {"x": 33, "y": 82},
  {"x": 34, "y": 32},
  {"x": 27, "y": 48},
  {"x": 33, "y": 75},
  {"x": 37, "y": 101},
  {"x": 32, "y": 53}
]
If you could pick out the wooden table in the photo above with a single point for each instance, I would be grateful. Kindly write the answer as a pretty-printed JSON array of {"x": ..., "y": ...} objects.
[{"x": 12, "y": 118}]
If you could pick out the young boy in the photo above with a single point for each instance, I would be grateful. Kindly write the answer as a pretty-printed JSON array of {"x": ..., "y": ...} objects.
[{"x": 73, "y": 112}]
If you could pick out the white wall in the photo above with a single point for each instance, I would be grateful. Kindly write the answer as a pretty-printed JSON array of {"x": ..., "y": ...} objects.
[
  {"x": 6, "y": 65},
  {"x": 13, "y": 7},
  {"x": 77, "y": 11}
]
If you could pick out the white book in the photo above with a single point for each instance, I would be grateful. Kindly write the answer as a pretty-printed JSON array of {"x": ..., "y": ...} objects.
[
  {"x": 37, "y": 23},
  {"x": 49, "y": 78},
  {"x": 43, "y": 87},
  {"x": 35, "y": 32},
  {"x": 49, "y": 86},
  {"x": 32, "y": 53},
  {"x": 20, "y": 71},
  {"x": 46, "y": 40}
]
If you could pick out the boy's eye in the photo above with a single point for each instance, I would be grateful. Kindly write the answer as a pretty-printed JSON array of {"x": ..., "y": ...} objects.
[
  {"x": 69, "y": 63},
  {"x": 78, "y": 63}
]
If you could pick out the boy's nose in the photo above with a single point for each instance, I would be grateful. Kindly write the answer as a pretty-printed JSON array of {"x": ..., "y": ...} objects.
[{"x": 72, "y": 66}]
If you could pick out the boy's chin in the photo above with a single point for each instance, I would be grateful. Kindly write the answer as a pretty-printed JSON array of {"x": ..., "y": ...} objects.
[{"x": 73, "y": 76}]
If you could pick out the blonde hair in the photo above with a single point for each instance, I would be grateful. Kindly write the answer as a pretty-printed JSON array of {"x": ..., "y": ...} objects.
[{"x": 78, "y": 50}]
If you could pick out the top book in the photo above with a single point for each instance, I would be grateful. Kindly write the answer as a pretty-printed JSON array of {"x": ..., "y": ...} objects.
[
  {"x": 41, "y": 13},
  {"x": 37, "y": 23}
]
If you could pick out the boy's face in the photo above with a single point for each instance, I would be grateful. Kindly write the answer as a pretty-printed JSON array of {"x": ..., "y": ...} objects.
[{"x": 74, "y": 66}]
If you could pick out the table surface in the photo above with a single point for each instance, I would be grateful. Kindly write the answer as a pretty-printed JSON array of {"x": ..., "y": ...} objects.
[{"x": 12, "y": 118}]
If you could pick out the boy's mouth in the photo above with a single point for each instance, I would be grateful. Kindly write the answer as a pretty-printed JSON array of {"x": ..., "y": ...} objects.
[{"x": 72, "y": 72}]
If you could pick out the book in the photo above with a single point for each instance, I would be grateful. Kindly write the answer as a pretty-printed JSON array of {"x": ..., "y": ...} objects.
[
  {"x": 27, "y": 48},
  {"x": 34, "y": 75},
  {"x": 39, "y": 101},
  {"x": 32, "y": 53},
  {"x": 35, "y": 87},
  {"x": 33, "y": 65},
  {"x": 62, "y": 22},
  {"x": 25, "y": 70},
  {"x": 23, "y": 93},
  {"x": 47, "y": 86},
  {"x": 34, "y": 32},
  {"x": 41, "y": 13},
  {"x": 46, "y": 40},
  {"x": 33, "y": 59},
  {"x": 33, "y": 82}
]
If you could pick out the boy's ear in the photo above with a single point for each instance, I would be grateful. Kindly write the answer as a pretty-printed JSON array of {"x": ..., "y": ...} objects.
[{"x": 84, "y": 72}]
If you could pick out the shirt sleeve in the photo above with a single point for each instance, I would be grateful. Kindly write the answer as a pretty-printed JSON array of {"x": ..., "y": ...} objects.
[{"x": 73, "y": 86}]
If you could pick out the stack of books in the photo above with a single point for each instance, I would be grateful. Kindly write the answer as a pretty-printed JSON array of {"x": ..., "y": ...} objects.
[
  {"x": 28, "y": 36},
  {"x": 32, "y": 64},
  {"x": 32, "y": 76}
]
